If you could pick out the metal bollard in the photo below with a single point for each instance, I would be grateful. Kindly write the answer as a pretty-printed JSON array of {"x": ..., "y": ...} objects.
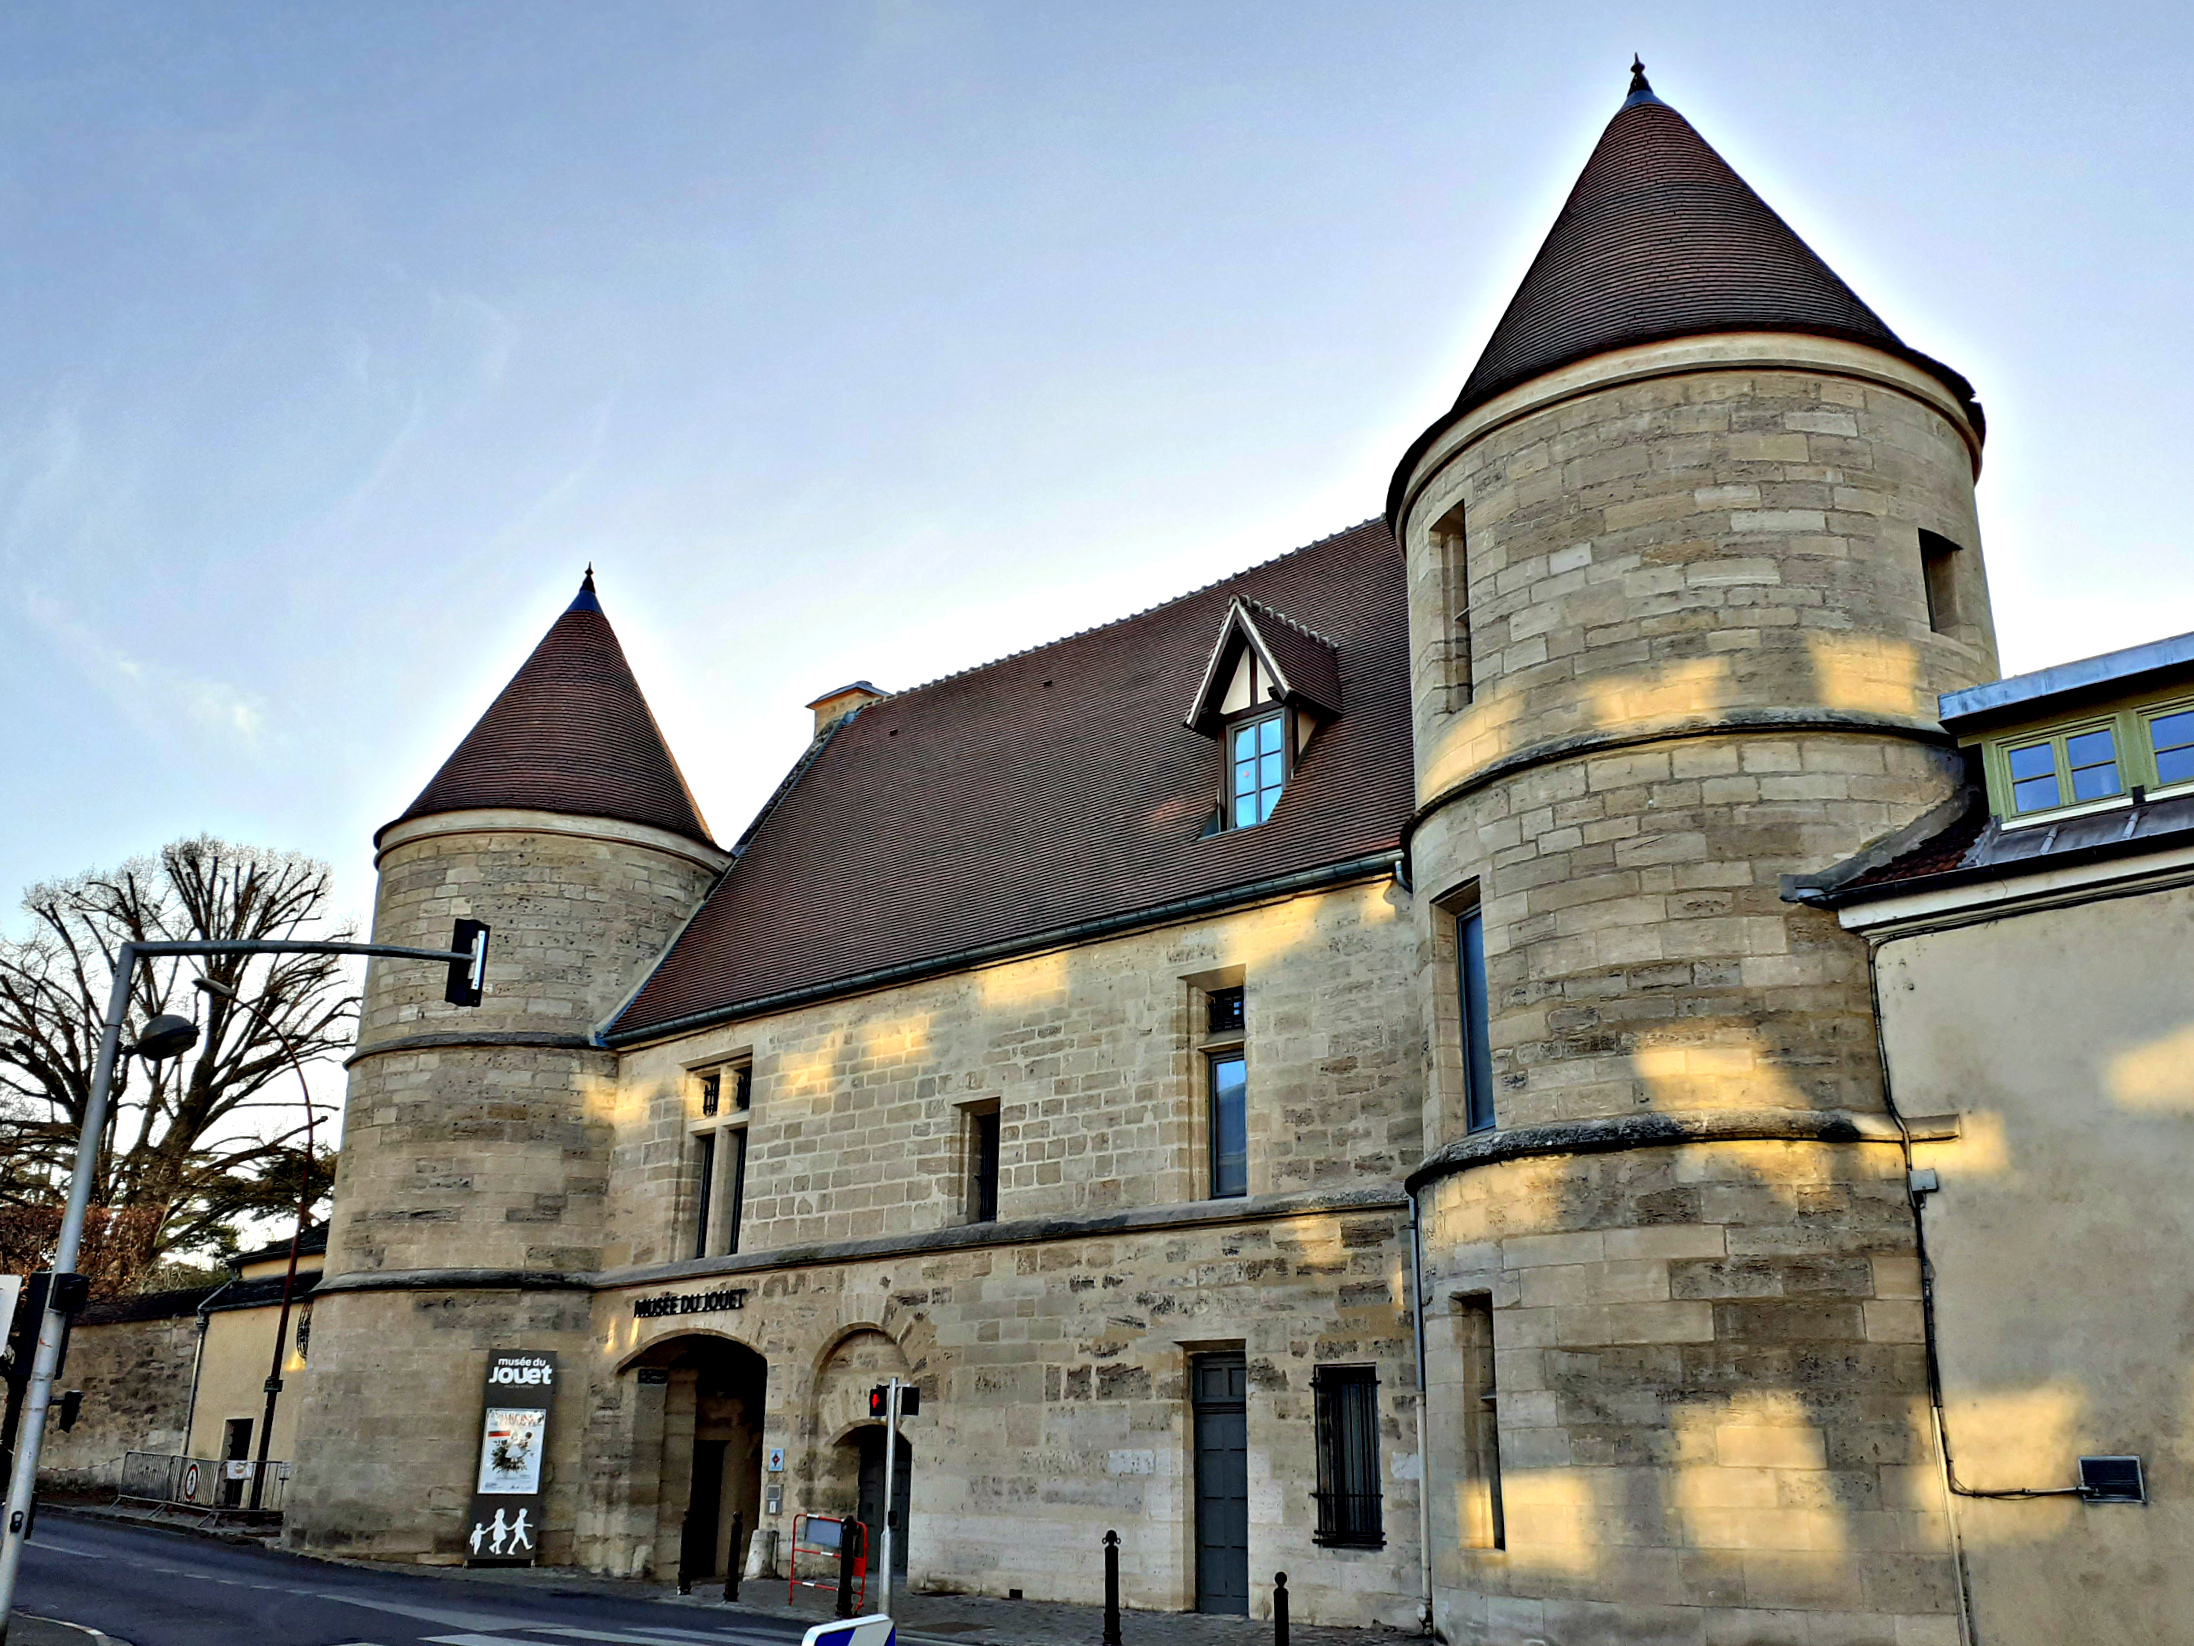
[
  {"x": 733, "y": 1561},
  {"x": 685, "y": 1555},
  {"x": 1112, "y": 1589},
  {"x": 1279, "y": 1609},
  {"x": 852, "y": 1539}
]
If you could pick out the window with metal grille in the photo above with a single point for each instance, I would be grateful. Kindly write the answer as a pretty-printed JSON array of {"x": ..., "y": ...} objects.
[
  {"x": 1226, "y": 1011},
  {"x": 1347, "y": 1399},
  {"x": 742, "y": 1087},
  {"x": 712, "y": 1092}
]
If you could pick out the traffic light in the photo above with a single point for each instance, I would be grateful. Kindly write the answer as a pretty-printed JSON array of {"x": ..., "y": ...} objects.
[
  {"x": 468, "y": 979},
  {"x": 910, "y": 1400},
  {"x": 72, "y": 1404}
]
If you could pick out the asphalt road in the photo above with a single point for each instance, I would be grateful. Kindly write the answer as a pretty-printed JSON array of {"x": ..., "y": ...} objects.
[{"x": 157, "y": 1588}]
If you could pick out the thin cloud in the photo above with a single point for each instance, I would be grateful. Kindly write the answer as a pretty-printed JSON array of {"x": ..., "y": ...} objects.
[{"x": 150, "y": 693}]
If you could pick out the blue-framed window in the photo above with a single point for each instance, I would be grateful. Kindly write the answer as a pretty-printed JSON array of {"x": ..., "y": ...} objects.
[
  {"x": 1470, "y": 968},
  {"x": 1229, "y": 1125},
  {"x": 1256, "y": 768}
]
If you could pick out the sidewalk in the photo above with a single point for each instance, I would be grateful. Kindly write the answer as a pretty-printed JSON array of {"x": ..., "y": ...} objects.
[
  {"x": 25, "y": 1630},
  {"x": 961, "y": 1620},
  {"x": 924, "y": 1620}
]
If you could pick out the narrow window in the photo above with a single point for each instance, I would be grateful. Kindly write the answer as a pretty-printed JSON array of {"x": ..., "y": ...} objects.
[
  {"x": 1229, "y": 1126},
  {"x": 983, "y": 1166},
  {"x": 2171, "y": 737},
  {"x": 742, "y": 1087},
  {"x": 1257, "y": 764},
  {"x": 1939, "y": 569},
  {"x": 712, "y": 1092},
  {"x": 1483, "y": 1527},
  {"x": 701, "y": 1199},
  {"x": 1226, "y": 1011},
  {"x": 1470, "y": 968},
  {"x": 2034, "y": 778},
  {"x": 736, "y": 1140},
  {"x": 2093, "y": 757},
  {"x": 1453, "y": 544},
  {"x": 1347, "y": 1401}
]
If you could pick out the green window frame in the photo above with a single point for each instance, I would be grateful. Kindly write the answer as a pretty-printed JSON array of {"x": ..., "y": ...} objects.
[
  {"x": 2093, "y": 760},
  {"x": 2167, "y": 740}
]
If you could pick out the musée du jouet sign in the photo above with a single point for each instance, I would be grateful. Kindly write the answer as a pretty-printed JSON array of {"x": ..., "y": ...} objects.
[
  {"x": 689, "y": 1303},
  {"x": 508, "y": 1495}
]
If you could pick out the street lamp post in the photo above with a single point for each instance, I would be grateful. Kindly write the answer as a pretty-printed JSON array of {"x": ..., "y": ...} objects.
[{"x": 467, "y": 961}]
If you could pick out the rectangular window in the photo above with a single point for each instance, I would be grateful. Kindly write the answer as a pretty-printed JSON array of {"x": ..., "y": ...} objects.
[
  {"x": 736, "y": 1140},
  {"x": 707, "y": 1141},
  {"x": 1470, "y": 968},
  {"x": 742, "y": 1087},
  {"x": 1257, "y": 762},
  {"x": 1229, "y": 1126},
  {"x": 2034, "y": 778},
  {"x": 1347, "y": 1400},
  {"x": 2171, "y": 739},
  {"x": 1453, "y": 543},
  {"x": 1226, "y": 1011},
  {"x": 712, "y": 1092},
  {"x": 1939, "y": 568},
  {"x": 983, "y": 1167},
  {"x": 1483, "y": 1525},
  {"x": 2064, "y": 770},
  {"x": 2093, "y": 757}
]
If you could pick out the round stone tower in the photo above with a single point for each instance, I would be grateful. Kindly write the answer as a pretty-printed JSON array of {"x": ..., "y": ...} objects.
[
  {"x": 469, "y": 1204},
  {"x": 1690, "y": 559}
]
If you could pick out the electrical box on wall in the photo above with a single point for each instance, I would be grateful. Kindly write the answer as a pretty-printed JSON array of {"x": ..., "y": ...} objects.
[{"x": 2112, "y": 1480}]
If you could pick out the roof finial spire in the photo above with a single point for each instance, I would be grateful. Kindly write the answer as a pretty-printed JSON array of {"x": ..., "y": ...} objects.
[
  {"x": 587, "y": 582},
  {"x": 1641, "y": 90}
]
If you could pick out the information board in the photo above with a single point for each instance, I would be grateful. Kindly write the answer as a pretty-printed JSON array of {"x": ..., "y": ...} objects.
[{"x": 507, "y": 1494}]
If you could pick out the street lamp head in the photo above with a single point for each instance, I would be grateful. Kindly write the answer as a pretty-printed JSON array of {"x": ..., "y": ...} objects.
[
  {"x": 166, "y": 1036},
  {"x": 208, "y": 986}
]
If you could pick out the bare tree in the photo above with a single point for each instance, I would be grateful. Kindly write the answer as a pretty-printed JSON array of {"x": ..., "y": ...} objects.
[{"x": 194, "y": 1145}]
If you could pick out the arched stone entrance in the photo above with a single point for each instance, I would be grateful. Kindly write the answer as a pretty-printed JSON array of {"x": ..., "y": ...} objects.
[
  {"x": 849, "y": 1462},
  {"x": 711, "y": 1393}
]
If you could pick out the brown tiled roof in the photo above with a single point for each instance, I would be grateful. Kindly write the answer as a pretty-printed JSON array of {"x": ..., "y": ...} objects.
[
  {"x": 1050, "y": 789},
  {"x": 1661, "y": 239},
  {"x": 570, "y": 733},
  {"x": 1938, "y": 854}
]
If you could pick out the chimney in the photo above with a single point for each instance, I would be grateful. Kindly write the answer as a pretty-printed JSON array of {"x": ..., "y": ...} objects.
[{"x": 833, "y": 707}]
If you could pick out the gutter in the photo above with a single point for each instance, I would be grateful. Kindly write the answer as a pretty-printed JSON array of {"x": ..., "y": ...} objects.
[{"x": 1376, "y": 865}]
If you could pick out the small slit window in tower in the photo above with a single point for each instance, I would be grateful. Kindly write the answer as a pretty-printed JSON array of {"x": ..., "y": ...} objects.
[{"x": 1939, "y": 568}]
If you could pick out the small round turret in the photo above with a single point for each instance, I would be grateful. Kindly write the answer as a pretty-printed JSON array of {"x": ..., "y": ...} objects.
[{"x": 475, "y": 1156}]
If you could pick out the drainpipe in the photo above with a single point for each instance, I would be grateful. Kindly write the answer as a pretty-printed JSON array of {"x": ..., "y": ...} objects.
[
  {"x": 1424, "y": 1452},
  {"x": 198, "y": 1365}
]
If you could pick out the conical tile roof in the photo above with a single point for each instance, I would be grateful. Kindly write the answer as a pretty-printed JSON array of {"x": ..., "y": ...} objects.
[
  {"x": 571, "y": 733},
  {"x": 1661, "y": 239}
]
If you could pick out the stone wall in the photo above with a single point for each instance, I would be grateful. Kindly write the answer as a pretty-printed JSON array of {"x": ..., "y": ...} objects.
[
  {"x": 136, "y": 1378},
  {"x": 1055, "y": 1401},
  {"x": 1094, "y": 1059}
]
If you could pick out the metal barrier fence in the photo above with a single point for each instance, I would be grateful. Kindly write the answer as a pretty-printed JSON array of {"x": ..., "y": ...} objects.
[{"x": 211, "y": 1486}]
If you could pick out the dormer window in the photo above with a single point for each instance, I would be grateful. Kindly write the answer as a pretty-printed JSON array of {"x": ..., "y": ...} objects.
[
  {"x": 1268, "y": 686},
  {"x": 1256, "y": 767}
]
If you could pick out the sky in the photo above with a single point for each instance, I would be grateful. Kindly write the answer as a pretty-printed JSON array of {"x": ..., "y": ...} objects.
[{"x": 876, "y": 340}]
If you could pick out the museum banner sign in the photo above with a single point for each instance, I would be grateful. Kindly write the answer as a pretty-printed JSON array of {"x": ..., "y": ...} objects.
[{"x": 507, "y": 1495}]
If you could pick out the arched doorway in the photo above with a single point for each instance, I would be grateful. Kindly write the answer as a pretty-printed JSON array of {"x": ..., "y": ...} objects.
[{"x": 713, "y": 1395}]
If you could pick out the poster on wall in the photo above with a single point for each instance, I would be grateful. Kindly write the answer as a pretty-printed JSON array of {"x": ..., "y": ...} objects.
[{"x": 507, "y": 1494}]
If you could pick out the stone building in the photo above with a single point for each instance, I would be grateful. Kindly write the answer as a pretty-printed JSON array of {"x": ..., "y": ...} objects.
[{"x": 1349, "y": 1071}]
